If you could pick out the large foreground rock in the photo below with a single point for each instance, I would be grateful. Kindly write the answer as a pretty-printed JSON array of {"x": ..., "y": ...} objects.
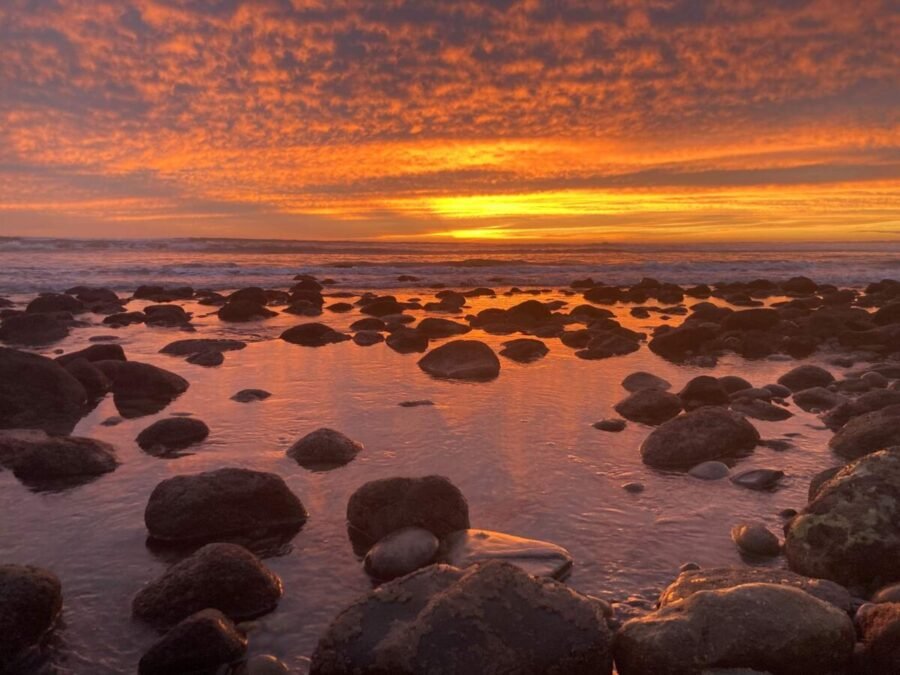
[
  {"x": 698, "y": 436},
  {"x": 764, "y": 627},
  {"x": 30, "y": 602},
  {"x": 226, "y": 577},
  {"x": 141, "y": 388},
  {"x": 462, "y": 360},
  {"x": 491, "y": 618},
  {"x": 867, "y": 433},
  {"x": 37, "y": 393},
  {"x": 221, "y": 503},
  {"x": 56, "y": 460},
  {"x": 850, "y": 530},
  {"x": 382, "y": 506},
  {"x": 201, "y": 643},
  {"x": 538, "y": 558},
  {"x": 324, "y": 449}
]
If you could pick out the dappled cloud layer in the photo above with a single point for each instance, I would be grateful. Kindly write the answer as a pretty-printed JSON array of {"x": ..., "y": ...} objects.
[{"x": 626, "y": 119}]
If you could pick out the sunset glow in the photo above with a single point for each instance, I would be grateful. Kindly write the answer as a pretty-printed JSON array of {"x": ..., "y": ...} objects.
[{"x": 513, "y": 119}]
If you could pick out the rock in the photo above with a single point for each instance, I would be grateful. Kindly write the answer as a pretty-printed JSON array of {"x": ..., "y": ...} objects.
[
  {"x": 538, "y": 558},
  {"x": 461, "y": 360},
  {"x": 382, "y": 506},
  {"x": 634, "y": 487},
  {"x": 649, "y": 406},
  {"x": 169, "y": 435},
  {"x": 382, "y": 307},
  {"x": 401, "y": 552},
  {"x": 140, "y": 388},
  {"x": 887, "y": 594},
  {"x": 324, "y": 449},
  {"x": 804, "y": 377},
  {"x": 55, "y": 302},
  {"x": 207, "y": 359},
  {"x": 715, "y": 578},
  {"x": 758, "y": 479},
  {"x": 524, "y": 350},
  {"x": 201, "y": 346},
  {"x": 166, "y": 315},
  {"x": 368, "y": 323},
  {"x": 760, "y": 318},
  {"x": 529, "y": 313},
  {"x": 30, "y": 603},
  {"x": 160, "y": 294},
  {"x": 407, "y": 341},
  {"x": 367, "y": 338},
  {"x": 761, "y": 410},
  {"x": 755, "y": 539},
  {"x": 778, "y": 390},
  {"x": 200, "y": 643},
  {"x": 32, "y": 330},
  {"x": 95, "y": 383},
  {"x": 37, "y": 393},
  {"x": 250, "y": 395},
  {"x": 512, "y": 623},
  {"x": 879, "y": 629},
  {"x": 125, "y": 319},
  {"x": 703, "y": 390},
  {"x": 867, "y": 433},
  {"x": 244, "y": 310},
  {"x": 440, "y": 328},
  {"x": 871, "y": 401},
  {"x": 701, "y": 435},
  {"x": 226, "y": 577},
  {"x": 313, "y": 335},
  {"x": 265, "y": 664},
  {"x": 611, "y": 424},
  {"x": 221, "y": 503},
  {"x": 101, "y": 352},
  {"x": 733, "y": 383},
  {"x": 850, "y": 530},
  {"x": 709, "y": 470},
  {"x": 681, "y": 342},
  {"x": 817, "y": 399},
  {"x": 606, "y": 345},
  {"x": 50, "y": 461},
  {"x": 340, "y": 307},
  {"x": 415, "y": 404},
  {"x": 643, "y": 380},
  {"x": 766, "y": 627}
]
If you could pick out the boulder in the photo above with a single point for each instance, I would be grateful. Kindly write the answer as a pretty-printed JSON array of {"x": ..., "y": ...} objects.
[
  {"x": 252, "y": 294},
  {"x": 703, "y": 390},
  {"x": 98, "y": 352},
  {"x": 33, "y": 330},
  {"x": 95, "y": 383},
  {"x": 440, "y": 328},
  {"x": 524, "y": 350},
  {"x": 734, "y": 383},
  {"x": 761, "y": 410},
  {"x": 324, "y": 449},
  {"x": 313, "y": 335},
  {"x": 611, "y": 424},
  {"x": 141, "y": 388},
  {"x": 226, "y": 577},
  {"x": 804, "y": 377},
  {"x": 758, "y": 479},
  {"x": 605, "y": 345},
  {"x": 678, "y": 343},
  {"x": 461, "y": 360},
  {"x": 207, "y": 359},
  {"x": 879, "y": 631},
  {"x": 37, "y": 393},
  {"x": 649, "y": 406},
  {"x": 166, "y": 315},
  {"x": 755, "y": 539},
  {"x": 764, "y": 627},
  {"x": 49, "y": 461},
  {"x": 221, "y": 503},
  {"x": 200, "y": 643},
  {"x": 55, "y": 302},
  {"x": 401, "y": 552},
  {"x": 538, "y": 558},
  {"x": 382, "y": 506},
  {"x": 171, "y": 434},
  {"x": 698, "y": 436},
  {"x": 711, "y": 470},
  {"x": 868, "y": 433},
  {"x": 368, "y": 323},
  {"x": 250, "y": 395},
  {"x": 382, "y": 307},
  {"x": 244, "y": 310},
  {"x": 200, "y": 346},
  {"x": 643, "y": 380},
  {"x": 30, "y": 603},
  {"x": 407, "y": 341},
  {"x": 817, "y": 399},
  {"x": 367, "y": 338},
  {"x": 871, "y": 401},
  {"x": 491, "y": 618},
  {"x": 850, "y": 530}
]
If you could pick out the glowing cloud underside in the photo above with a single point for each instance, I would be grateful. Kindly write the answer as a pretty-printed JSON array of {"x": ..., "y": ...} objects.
[{"x": 653, "y": 119}]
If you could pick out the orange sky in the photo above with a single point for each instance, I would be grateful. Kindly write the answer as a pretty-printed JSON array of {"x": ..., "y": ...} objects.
[{"x": 663, "y": 120}]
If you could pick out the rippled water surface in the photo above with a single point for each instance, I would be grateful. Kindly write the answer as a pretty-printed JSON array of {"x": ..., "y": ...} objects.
[{"x": 521, "y": 448}]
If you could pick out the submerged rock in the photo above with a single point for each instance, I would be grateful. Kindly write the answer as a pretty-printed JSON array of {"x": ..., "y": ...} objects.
[
  {"x": 250, "y": 395},
  {"x": 200, "y": 643},
  {"x": 643, "y": 380},
  {"x": 172, "y": 434},
  {"x": 868, "y": 433},
  {"x": 512, "y": 623},
  {"x": 30, "y": 603},
  {"x": 382, "y": 506},
  {"x": 538, "y": 558},
  {"x": 226, "y": 577},
  {"x": 649, "y": 406},
  {"x": 440, "y": 328},
  {"x": 761, "y": 410},
  {"x": 33, "y": 330},
  {"x": 462, "y": 360},
  {"x": 711, "y": 470},
  {"x": 698, "y": 436},
  {"x": 817, "y": 399},
  {"x": 401, "y": 552},
  {"x": 221, "y": 503},
  {"x": 324, "y": 449},
  {"x": 244, "y": 310},
  {"x": 524, "y": 350}
]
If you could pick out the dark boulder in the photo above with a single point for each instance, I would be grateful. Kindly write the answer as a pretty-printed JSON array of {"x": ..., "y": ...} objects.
[
  {"x": 141, "y": 388},
  {"x": 30, "y": 603},
  {"x": 169, "y": 435},
  {"x": 524, "y": 350},
  {"x": 700, "y": 435},
  {"x": 250, "y": 395},
  {"x": 461, "y": 360},
  {"x": 201, "y": 643},
  {"x": 57, "y": 461},
  {"x": 642, "y": 380},
  {"x": 254, "y": 295},
  {"x": 367, "y": 338},
  {"x": 33, "y": 329},
  {"x": 313, "y": 335},
  {"x": 55, "y": 302},
  {"x": 751, "y": 319},
  {"x": 678, "y": 343},
  {"x": 166, "y": 316},
  {"x": 95, "y": 383},
  {"x": 879, "y": 630},
  {"x": 649, "y": 406},
  {"x": 703, "y": 390},
  {"x": 804, "y": 377},
  {"x": 99, "y": 352},
  {"x": 244, "y": 310},
  {"x": 440, "y": 328},
  {"x": 761, "y": 410},
  {"x": 868, "y": 433},
  {"x": 401, "y": 552},
  {"x": 201, "y": 345},
  {"x": 324, "y": 449}
]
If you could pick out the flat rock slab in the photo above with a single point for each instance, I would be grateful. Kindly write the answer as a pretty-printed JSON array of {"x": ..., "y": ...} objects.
[{"x": 538, "y": 558}]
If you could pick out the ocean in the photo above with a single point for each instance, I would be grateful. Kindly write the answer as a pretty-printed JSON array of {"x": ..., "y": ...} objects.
[{"x": 29, "y": 265}]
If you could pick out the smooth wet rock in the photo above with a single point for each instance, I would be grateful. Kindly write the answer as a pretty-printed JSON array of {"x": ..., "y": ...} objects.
[
  {"x": 244, "y": 310},
  {"x": 407, "y": 341},
  {"x": 95, "y": 383},
  {"x": 313, "y": 335},
  {"x": 511, "y": 623},
  {"x": 432, "y": 327},
  {"x": 401, "y": 552},
  {"x": 200, "y": 643},
  {"x": 764, "y": 627},
  {"x": 49, "y": 461},
  {"x": 324, "y": 449},
  {"x": 461, "y": 360},
  {"x": 524, "y": 350},
  {"x": 642, "y": 380},
  {"x": 200, "y": 346},
  {"x": 734, "y": 383},
  {"x": 36, "y": 392},
  {"x": 221, "y": 503},
  {"x": 711, "y": 470},
  {"x": 649, "y": 406},
  {"x": 879, "y": 630},
  {"x": 704, "y": 434},
  {"x": 141, "y": 388},
  {"x": 887, "y": 594},
  {"x": 226, "y": 577},
  {"x": 868, "y": 433},
  {"x": 612, "y": 424},
  {"x": 172, "y": 434},
  {"x": 415, "y": 404},
  {"x": 33, "y": 330},
  {"x": 679, "y": 343},
  {"x": 98, "y": 352},
  {"x": 30, "y": 603},
  {"x": 703, "y": 390},
  {"x": 761, "y": 410},
  {"x": 715, "y": 578},
  {"x": 538, "y": 558},
  {"x": 367, "y": 338},
  {"x": 755, "y": 539},
  {"x": 265, "y": 664},
  {"x": 369, "y": 323},
  {"x": 383, "y": 506},
  {"x": 817, "y": 399},
  {"x": 758, "y": 479},
  {"x": 868, "y": 402},
  {"x": 850, "y": 530},
  {"x": 250, "y": 395},
  {"x": 806, "y": 376}
]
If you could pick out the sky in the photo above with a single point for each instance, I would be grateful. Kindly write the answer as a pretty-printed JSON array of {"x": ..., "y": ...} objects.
[{"x": 623, "y": 120}]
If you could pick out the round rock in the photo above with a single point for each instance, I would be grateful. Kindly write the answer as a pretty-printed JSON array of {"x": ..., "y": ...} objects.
[
  {"x": 172, "y": 434},
  {"x": 462, "y": 360},
  {"x": 401, "y": 552},
  {"x": 324, "y": 449},
  {"x": 201, "y": 643},
  {"x": 704, "y": 434}
]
